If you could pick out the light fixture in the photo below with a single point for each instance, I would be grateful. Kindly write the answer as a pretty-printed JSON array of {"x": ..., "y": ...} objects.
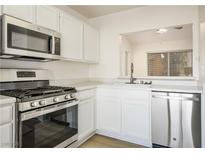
[
  {"x": 162, "y": 56},
  {"x": 161, "y": 30}
]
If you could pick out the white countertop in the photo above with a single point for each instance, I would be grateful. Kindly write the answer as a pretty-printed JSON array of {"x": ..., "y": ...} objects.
[
  {"x": 186, "y": 89},
  {"x": 93, "y": 84},
  {"x": 85, "y": 85},
  {"x": 6, "y": 100}
]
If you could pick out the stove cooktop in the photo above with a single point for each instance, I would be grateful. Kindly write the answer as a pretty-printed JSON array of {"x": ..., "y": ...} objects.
[{"x": 36, "y": 93}]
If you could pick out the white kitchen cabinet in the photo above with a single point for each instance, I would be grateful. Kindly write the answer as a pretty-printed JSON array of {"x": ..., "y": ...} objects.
[
  {"x": 86, "y": 114},
  {"x": 72, "y": 37},
  {"x": 24, "y": 12},
  {"x": 110, "y": 114},
  {"x": 6, "y": 135},
  {"x": 48, "y": 17},
  {"x": 124, "y": 113},
  {"x": 136, "y": 115},
  {"x": 91, "y": 43},
  {"x": 86, "y": 118},
  {"x": 7, "y": 126}
]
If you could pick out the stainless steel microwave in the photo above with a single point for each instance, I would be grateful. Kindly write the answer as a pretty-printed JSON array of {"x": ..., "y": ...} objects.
[{"x": 26, "y": 41}]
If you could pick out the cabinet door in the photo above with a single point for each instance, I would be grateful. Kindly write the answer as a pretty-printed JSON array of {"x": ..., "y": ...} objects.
[
  {"x": 86, "y": 118},
  {"x": 6, "y": 136},
  {"x": 110, "y": 114},
  {"x": 48, "y": 17},
  {"x": 91, "y": 43},
  {"x": 72, "y": 37},
  {"x": 24, "y": 12},
  {"x": 136, "y": 115}
]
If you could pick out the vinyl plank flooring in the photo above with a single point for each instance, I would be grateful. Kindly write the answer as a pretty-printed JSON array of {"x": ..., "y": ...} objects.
[{"x": 99, "y": 141}]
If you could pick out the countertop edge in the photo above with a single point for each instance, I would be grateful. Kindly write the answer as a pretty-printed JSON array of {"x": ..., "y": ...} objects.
[{"x": 6, "y": 100}]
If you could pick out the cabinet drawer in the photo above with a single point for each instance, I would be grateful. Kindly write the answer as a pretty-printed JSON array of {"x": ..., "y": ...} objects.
[
  {"x": 6, "y": 114},
  {"x": 86, "y": 94},
  {"x": 6, "y": 136}
]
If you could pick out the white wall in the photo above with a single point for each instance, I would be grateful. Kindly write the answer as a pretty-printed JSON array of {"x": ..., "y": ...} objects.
[
  {"x": 202, "y": 65},
  {"x": 125, "y": 47},
  {"x": 59, "y": 69},
  {"x": 202, "y": 42},
  {"x": 140, "y": 53},
  {"x": 139, "y": 19}
]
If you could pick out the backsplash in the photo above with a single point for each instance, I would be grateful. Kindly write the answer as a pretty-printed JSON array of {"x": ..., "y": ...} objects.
[{"x": 59, "y": 69}]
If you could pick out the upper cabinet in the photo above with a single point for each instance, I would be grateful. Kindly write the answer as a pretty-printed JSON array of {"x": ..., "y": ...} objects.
[
  {"x": 24, "y": 12},
  {"x": 48, "y": 17},
  {"x": 72, "y": 37},
  {"x": 91, "y": 43},
  {"x": 79, "y": 41}
]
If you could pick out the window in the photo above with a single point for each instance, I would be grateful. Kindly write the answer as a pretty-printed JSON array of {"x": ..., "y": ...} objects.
[{"x": 173, "y": 63}]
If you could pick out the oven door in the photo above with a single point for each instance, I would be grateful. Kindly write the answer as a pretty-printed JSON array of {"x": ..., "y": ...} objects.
[
  {"x": 52, "y": 126},
  {"x": 20, "y": 38}
]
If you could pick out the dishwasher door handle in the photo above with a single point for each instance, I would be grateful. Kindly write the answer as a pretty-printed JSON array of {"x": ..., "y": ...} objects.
[{"x": 195, "y": 99}]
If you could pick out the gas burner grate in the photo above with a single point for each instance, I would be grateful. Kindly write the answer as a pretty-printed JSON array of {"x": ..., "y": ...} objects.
[{"x": 40, "y": 91}]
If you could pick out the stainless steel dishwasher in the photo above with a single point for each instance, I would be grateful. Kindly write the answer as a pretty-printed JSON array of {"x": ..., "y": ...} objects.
[{"x": 176, "y": 120}]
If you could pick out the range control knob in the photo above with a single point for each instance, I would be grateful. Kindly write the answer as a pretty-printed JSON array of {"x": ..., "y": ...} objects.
[
  {"x": 33, "y": 104},
  {"x": 56, "y": 99},
  {"x": 42, "y": 102},
  {"x": 72, "y": 95},
  {"x": 67, "y": 96}
]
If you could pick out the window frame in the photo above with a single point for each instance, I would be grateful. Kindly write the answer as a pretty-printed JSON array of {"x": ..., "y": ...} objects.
[{"x": 168, "y": 67}]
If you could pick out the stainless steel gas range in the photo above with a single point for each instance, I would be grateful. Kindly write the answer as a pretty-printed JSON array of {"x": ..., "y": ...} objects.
[{"x": 46, "y": 116}]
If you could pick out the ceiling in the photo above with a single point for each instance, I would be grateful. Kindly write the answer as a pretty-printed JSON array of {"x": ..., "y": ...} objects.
[
  {"x": 151, "y": 36},
  {"x": 92, "y": 11}
]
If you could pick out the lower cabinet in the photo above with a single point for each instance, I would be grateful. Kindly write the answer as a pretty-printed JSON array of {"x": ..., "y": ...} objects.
[
  {"x": 7, "y": 126},
  {"x": 136, "y": 119},
  {"x": 125, "y": 114},
  {"x": 86, "y": 118},
  {"x": 110, "y": 114},
  {"x": 6, "y": 136},
  {"x": 86, "y": 115}
]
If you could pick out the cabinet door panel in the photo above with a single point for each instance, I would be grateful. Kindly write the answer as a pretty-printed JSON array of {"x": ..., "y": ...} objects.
[
  {"x": 135, "y": 119},
  {"x": 24, "y": 12},
  {"x": 110, "y": 116},
  {"x": 72, "y": 37},
  {"x": 6, "y": 114},
  {"x": 91, "y": 44},
  {"x": 47, "y": 17},
  {"x": 136, "y": 112},
  {"x": 6, "y": 136},
  {"x": 86, "y": 118}
]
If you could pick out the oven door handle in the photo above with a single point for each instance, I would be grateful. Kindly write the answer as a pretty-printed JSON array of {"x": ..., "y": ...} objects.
[{"x": 46, "y": 110}]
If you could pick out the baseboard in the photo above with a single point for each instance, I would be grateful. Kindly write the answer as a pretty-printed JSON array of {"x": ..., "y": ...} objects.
[
  {"x": 80, "y": 142},
  {"x": 134, "y": 140}
]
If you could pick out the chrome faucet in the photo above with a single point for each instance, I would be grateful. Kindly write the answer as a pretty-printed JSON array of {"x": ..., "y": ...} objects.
[{"x": 132, "y": 79}]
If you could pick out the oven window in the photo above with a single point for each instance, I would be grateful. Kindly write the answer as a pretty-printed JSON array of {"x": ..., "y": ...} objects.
[
  {"x": 25, "y": 39},
  {"x": 51, "y": 129}
]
